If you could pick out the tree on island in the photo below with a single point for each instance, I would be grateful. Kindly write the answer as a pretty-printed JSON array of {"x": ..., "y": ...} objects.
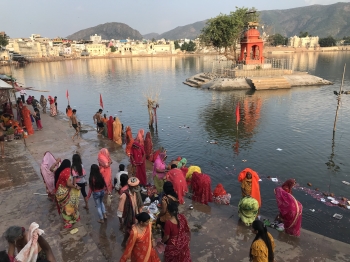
[
  {"x": 304, "y": 34},
  {"x": 327, "y": 41},
  {"x": 224, "y": 31},
  {"x": 277, "y": 39},
  {"x": 189, "y": 47},
  {"x": 176, "y": 43},
  {"x": 4, "y": 40},
  {"x": 113, "y": 49}
]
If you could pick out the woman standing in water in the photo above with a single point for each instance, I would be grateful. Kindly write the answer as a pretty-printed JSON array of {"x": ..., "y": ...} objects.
[
  {"x": 117, "y": 131},
  {"x": 105, "y": 161},
  {"x": 263, "y": 246},
  {"x": 250, "y": 184}
]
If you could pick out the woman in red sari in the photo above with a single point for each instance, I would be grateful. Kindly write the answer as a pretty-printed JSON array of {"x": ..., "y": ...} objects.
[
  {"x": 139, "y": 247},
  {"x": 201, "y": 187},
  {"x": 105, "y": 162},
  {"x": 110, "y": 128},
  {"x": 290, "y": 211},
  {"x": 177, "y": 236},
  {"x": 176, "y": 177},
  {"x": 149, "y": 147},
  {"x": 27, "y": 120},
  {"x": 288, "y": 185},
  {"x": 140, "y": 137},
  {"x": 138, "y": 161},
  {"x": 129, "y": 140}
]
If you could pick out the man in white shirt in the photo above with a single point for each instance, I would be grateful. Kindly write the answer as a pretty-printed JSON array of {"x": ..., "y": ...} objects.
[
  {"x": 117, "y": 177},
  {"x": 23, "y": 93}
]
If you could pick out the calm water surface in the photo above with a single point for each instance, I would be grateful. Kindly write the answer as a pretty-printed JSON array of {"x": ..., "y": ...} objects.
[{"x": 298, "y": 121}]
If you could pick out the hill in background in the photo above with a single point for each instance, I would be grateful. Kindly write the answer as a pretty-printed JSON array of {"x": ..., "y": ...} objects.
[
  {"x": 107, "y": 31},
  {"x": 151, "y": 35}
]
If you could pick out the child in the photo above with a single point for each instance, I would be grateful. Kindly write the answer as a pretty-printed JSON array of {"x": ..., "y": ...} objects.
[{"x": 37, "y": 118}]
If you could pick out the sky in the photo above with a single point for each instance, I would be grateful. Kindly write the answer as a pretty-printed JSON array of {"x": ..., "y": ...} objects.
[{"x": 52, "y": 18}]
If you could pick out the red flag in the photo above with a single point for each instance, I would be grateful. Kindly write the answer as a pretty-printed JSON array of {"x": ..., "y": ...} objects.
[
  {"x": 238, "y": 117},
  {"x": 67, "y": 95},
  {"x": 101, "y": 102}
]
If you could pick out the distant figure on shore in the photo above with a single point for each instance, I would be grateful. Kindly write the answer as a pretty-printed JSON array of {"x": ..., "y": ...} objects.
[
  {"x": 53, "y": 110},
  {"x": 2, "y": 139},
  {"x": 27, "y": 120},
  {"x": 37, "y": 118},
  {"x": 75, "y": 124},
  {"x": 97, "y": 187},
  {"x": 35, "y": 103},
  {"x": 117, "y": 131},
  {"x": 30, "y": 245},
  {"x": 43, "y": 103},
  {"x": 263, "y": 246},
  {"x": 290, "y": 211},
  {"x": 55, "y": 99},
  {"x": 250, "y": 184},
  {"x": 67, "y": 194},
  {"x": 98, "y": 121},
  {"x": 69, "y": 113},
  {"x": 105, "y": 161},
  {"x": 23, "y": 93}
]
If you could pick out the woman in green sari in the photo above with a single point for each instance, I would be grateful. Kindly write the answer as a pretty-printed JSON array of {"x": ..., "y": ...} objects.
[{"x": 248, "y": 209}]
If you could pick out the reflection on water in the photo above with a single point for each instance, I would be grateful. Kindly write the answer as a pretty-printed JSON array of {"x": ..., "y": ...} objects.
[{"x": 299, "y": 121}]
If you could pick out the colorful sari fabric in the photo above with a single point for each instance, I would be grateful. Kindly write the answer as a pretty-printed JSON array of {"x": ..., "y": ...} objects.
[
  {"x": 139, "y": 246},
  {"x": 48, "y": 176},
  {"x": 191, "y": 170},
  {"x": 178, "y": 246},
  {"x": 140, "y": 137},
  {"x": 250, "y": 186},
  {"x": 67, "y": 198},
  {"x": 259, "y": 250},
  {"x": 288, "y": 185},
  {"x": 129, "y": 140},
  {"x": 201, "y": 187},
  {"x": 105, "y": 129},
  {"x": 110, "y": 128},
  {"x": 166, "y": 200},
  {"x": 53, "y": 110},
  {"x": 104, "y": 162},
  {"x": 182, "y": 163},
  {"x": 138, "y": 160},
  {"x": 158, "y": 177},
  {"x": 290, "y": 211},
  {"x": 117, "y": 132},
  {"x": 27, "y": 120},
  {"x": 149, "y": 147},
  {"x": 176, "y": 177},
  {"x": 248, "y": 209}
]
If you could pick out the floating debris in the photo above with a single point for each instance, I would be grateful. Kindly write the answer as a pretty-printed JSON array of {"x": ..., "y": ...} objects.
[
  {"x": 279, "y": 149},
  {"x": 309, "y": 184},
  {"x": 273, "y": 179},
  {"x": 335, "y": 202},
  {"x": 312, "y": 210},
  {"x": 244, "y": 160},
  {"x": 346, "y": 183},
  {"x": 338, "y": 216},
  {"x": 74, "y": 231}
]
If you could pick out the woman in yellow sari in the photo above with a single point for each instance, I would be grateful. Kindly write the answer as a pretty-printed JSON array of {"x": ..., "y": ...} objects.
[
  {"x": 139, "y": 247},
  {"x": 117, "y": 131}
]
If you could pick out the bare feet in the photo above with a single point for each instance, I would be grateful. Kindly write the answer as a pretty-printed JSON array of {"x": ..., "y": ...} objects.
[
  {"x": 86, "y": 207},
  {"x": 100, "y": 221},
  {"x": 105, "y": 215}
]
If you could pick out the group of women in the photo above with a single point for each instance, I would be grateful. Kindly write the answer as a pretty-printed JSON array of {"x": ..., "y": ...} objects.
[
  {"x": 112, "y": 129},
  {"x": 66, "y": 179}
]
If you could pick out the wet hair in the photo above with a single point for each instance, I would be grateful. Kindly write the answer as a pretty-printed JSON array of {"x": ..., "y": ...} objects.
[
  {"x": 65, "y": 164},
  {"x": 168, "y": 189},
  {"x": 173, "y": 166},
  {"x": 77, "y": 164},
  {"x": 100, "y": 110},
  {"x": 13, "y": 233},
  {"x": 4, "y": 257},
  {"x": 74, "y": 110},
  {"x": 124, "y": 180},
  {"x": 36, "y": 109},
  {"x": 173, "y": 209},
  {"x": 121, "y": 167},
  {"x": 96, "y": 180},
  {"x": 262, "y": 234},
  {"x": 142, "y": 217}
]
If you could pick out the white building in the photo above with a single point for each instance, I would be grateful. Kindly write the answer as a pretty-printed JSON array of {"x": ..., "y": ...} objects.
[
  {"x": 96, "y": 39},
  {"x": 308, "y": 42}
]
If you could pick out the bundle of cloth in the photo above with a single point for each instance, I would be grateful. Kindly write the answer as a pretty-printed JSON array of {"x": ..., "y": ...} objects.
[{"x": 220, "y": 196}]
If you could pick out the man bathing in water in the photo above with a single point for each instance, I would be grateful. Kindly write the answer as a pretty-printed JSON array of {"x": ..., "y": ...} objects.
[
  {"x": 98, "y": 118},
  {"x": 75, "y": 124},
  {"x": 2, "y": 139}
]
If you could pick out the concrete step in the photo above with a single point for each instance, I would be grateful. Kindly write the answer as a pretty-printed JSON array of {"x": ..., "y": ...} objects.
[
  {"x": 205, "y": 77},
  {"x": 190, "y": 84},
  {"x": 261, "y": 83},
  {"x": 200, "y": 79}
]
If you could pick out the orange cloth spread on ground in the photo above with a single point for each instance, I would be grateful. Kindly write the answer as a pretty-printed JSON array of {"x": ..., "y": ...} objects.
[{"x": 255, "y": 188}]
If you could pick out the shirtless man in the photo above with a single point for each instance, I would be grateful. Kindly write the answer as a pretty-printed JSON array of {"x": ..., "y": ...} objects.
[
  {"x": 74, "y": 121},
  {"x": 98, "y": 118},
  {"x": 2, "y": 139}
]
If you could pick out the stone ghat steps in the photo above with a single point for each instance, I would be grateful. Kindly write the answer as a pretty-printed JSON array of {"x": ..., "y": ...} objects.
[
  {"x": 260, "y": 83},
  {"x": 198, "y": 80}
]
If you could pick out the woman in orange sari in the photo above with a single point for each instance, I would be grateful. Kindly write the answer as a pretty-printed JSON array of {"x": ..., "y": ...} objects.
[
  {"x": 105, "y": 162},
  {"x": 117, "y": 131},
  {"x": 139, "y": 247},
  {"x": 27, "y": 120},
  {"x": 129, "y": 140},
  {"x": 250, "y": 184}
]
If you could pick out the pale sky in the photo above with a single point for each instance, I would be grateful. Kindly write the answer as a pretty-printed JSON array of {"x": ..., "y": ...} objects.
[{"x": 52, "y": 18}]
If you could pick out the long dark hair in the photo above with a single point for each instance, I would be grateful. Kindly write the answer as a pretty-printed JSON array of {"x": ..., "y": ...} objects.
[
  {"x": 173, "y": 209},
  {"x": 142, "y": 217},
  {"x": 65, "y": 164},
  {"x": 168, "y": 189},
  {"x": 262, "y": 234},
  {"x": 123, "y": 180},
  {"x": 77, "y": 164},
  {"x": 96, "y": 180}
]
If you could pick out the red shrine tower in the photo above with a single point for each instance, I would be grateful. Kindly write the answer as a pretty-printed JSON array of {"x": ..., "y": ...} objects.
[{"x": 252, "y": 46}]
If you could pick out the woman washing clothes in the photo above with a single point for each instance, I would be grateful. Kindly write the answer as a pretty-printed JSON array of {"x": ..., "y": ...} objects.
[{"x": 159, "y": 171}]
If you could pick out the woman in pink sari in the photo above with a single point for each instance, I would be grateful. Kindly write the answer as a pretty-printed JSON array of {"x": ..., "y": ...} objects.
[
  {"x": 138, "y": 161},
  {"x": 110, "y": 128},
  {"x": 140, "y": 137},
  {"x": 47, "y": 168},
  {"x": 177, "y": 236},
  {"x": 149, "y": 147},
  {"x": 290, "y": 211},
  {"x": 104, "y": 161}
]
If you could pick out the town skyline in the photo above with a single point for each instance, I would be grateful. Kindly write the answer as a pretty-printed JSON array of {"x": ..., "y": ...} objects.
[{"x": 34, "y": 16}]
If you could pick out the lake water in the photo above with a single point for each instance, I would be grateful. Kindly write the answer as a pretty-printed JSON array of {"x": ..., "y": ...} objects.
[{"x": 299, "y": 121}]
